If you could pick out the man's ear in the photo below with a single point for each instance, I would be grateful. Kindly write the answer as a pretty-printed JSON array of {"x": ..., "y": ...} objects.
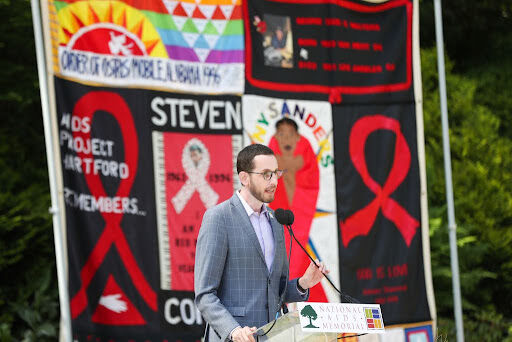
[{"x": 244, "y": 178}]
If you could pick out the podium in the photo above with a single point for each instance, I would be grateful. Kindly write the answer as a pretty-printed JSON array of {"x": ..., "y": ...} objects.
[
  {"x": 287, "y": 329},
  {"x": 323, "y": 322}
]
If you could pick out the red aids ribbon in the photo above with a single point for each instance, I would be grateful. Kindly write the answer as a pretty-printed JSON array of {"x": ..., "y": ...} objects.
[
  {"x": 112, "y": 234},
  {"x": 362, "y": 221}
]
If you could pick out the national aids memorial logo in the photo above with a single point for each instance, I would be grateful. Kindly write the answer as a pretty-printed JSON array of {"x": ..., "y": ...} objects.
[
  {"x": 373, "y": 318},
  {"x": 311, "y": 314},
  {"x": 116, "y": 43},
  {"x": 319, "y": 318}
]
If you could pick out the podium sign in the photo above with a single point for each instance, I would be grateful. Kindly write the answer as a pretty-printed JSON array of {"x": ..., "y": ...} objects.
[{"x": 340, "y": 318}]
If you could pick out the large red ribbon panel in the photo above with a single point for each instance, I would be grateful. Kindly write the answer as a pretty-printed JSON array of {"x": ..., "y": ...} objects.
[{"x": 377, "y": 184}]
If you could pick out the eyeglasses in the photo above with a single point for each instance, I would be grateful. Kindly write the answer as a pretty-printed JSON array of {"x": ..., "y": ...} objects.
[{"x": 267, "y": 175}]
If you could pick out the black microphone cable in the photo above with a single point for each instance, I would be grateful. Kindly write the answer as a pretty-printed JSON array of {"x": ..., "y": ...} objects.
[
  {"x": 286, "y": 218},
  {"x": 350, "y": 336},
  {"x": 344, "y": 295}
]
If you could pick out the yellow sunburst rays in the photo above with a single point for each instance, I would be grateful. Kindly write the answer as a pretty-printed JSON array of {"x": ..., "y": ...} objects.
[{"x": 80, "y": 14}]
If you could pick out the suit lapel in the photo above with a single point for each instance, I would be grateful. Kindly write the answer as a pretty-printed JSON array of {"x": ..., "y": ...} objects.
[
  {"x": 278, "y": 241},
  {"x": 241, "y": 217}
]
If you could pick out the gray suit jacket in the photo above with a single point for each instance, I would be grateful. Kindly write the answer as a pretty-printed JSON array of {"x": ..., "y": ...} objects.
[{"x": 231, "y": 281}]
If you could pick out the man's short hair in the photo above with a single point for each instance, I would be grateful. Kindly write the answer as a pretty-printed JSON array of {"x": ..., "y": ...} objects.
[
  {"x": 245, "y": 158},
  {"x": 287, "y": 121}
]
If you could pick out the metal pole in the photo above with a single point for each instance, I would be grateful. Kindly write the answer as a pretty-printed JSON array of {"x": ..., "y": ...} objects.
[
  {"x": 452, "y": 226},
  {"x": 65, "y": 315}
]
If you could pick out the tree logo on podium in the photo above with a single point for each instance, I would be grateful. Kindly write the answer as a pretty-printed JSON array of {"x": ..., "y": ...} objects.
[{"x": 310, "y": 313}]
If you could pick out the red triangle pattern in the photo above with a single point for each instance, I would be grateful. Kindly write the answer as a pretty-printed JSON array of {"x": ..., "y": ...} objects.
[
  {"x": 218, "y": 15},
  {"x": 237, "y": 13},
  {"x": 179, "y": 11},
  {"x": 198, "y": 14},
  {"x": 103, "y": 315}
]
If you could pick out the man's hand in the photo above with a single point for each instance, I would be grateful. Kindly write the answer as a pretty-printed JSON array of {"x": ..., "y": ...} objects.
[
  {"x": 313, "y": 275},
  {"x": 243, "y": 334}
]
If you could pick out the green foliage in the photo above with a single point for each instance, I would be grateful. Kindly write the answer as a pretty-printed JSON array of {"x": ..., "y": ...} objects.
[
  {"x": 36, "y": 310},
  {"x": 482, "y": 182},
  {"x": 493, "y": 90},
  {"x": 475, "y": 32},
  {"x": 484, "y": 326},
  {"x": 28, "y": 291},
  {"x": 18, "y": 73}
]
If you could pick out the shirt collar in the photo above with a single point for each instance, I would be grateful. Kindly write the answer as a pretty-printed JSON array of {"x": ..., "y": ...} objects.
[{"x": 248, "y": 208}]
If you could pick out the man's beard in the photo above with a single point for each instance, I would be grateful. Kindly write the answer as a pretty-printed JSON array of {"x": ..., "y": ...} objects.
[{"x": 261, "y": 195}]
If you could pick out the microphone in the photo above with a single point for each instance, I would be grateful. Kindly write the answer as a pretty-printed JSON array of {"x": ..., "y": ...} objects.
[{"x": 285, "y": 217}]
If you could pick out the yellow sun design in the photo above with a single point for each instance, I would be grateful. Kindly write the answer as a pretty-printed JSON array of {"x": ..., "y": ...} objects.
[{"x": 81, "y": 14}]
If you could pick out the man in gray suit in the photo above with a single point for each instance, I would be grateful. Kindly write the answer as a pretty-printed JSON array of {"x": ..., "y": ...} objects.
[{"x": 241, "y": 267}]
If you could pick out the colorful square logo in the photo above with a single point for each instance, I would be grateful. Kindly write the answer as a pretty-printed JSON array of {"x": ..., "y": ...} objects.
[{"x": 373, "y": 318}]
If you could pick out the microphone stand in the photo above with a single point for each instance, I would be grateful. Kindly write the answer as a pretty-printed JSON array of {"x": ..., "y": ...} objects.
[
  {"x": 345, "y": 296},
  {"x": 286, "y": 219}
]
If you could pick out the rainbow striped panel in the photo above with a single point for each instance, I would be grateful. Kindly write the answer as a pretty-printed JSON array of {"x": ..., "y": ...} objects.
[{"x": 209, "y": 31}]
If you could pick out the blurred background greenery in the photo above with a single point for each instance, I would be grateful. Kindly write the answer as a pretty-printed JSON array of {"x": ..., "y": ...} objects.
[{"x": 478, "y": 42}]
